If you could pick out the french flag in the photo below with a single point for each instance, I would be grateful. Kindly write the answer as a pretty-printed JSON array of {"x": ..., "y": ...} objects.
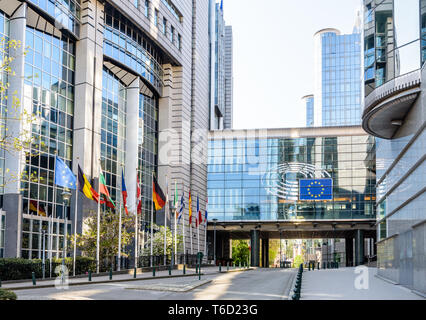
[{"x": 124, "y": 192}]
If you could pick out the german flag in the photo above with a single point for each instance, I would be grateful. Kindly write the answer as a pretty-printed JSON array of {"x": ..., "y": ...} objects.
[
  {"x": 36, "y": 207},
  {"x": 157, "y": 195},
  {"x": 85, "y": 187}
]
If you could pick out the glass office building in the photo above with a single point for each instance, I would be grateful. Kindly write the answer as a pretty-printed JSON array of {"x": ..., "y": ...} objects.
[
  {"x": 95, "y": 77},
  {"x": 394, "y": 112},
  {"x": 309, "y": 102},
  {"x": 337, "y": 87},
  {"x": 258, "y": 178}
]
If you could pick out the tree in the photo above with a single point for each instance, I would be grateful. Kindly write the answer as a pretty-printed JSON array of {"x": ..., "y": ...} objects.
[
  {"x": 108, "y": 235},
  {"x": 298, "y": 260},
  {"x": 158, "y": 242},
  {"x": 14, "y": 142},
  {"x": 240, "y": 251}
]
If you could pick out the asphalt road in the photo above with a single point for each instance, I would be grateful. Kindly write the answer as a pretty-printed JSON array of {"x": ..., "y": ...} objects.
[{"x": 269, "y": 284}]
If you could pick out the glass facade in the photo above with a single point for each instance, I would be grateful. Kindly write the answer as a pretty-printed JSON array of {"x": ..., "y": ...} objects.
[
  {"x": 341, "y": 79},
  {"x": 67, "y": 12},
  {"x": 125, "y": 44},
  {"x": 49, "y": 92},
  {"x": 393, "y": 41},
  {"x": 4, "y": 34},
  {"x": 257, "y": 179},
  {"x": 113, "y": 132},
  {"x": 148, "y": 150},
  {"x": 309, "y": 111}
]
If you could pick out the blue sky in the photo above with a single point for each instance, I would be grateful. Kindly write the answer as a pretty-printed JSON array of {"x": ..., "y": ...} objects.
[{"x": 274, "y": 55}]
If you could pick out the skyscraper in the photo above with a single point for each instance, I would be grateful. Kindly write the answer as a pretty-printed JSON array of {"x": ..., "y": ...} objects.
[
  {"x": 309, "y": 102},
  {"x": 221, "y": 83},
  {"x": 111, "y": 84},
  {"x": 337, "y": 76}
]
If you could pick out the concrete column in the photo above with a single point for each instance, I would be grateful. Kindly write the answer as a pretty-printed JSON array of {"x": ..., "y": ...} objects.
[
  {"x": 359, "y": 247},
  {"x": 15, "y": 160},
  {"x": 265, "y": 252},
  {"x": 349, "y": 252},
  {"x": 132, "y": 131},
  {"x": 12, "y": 204},
  {"x": 255, "y": 247},
  {"x": 88, "y": 89}
]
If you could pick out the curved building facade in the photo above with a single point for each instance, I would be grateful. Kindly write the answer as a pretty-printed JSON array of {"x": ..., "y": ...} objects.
[
  {"x": 395, "y": 112},
  {"x": 111, "y": 84}
]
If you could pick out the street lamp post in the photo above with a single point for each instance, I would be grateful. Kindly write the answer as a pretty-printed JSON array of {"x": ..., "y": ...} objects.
[
  {"x": 66, "y": 196},
  {"x": 214, "y": 241}
]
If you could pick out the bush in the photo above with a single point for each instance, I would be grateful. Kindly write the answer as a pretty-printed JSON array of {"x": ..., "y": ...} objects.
[
  {"x": 7, "y": 295},
  {"x": 18, "y": 268}
]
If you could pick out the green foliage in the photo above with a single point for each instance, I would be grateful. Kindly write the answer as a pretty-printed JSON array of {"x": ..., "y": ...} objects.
[
  {"x": 297, "y": 261},
  {"x": 7, "y": 294},
  {"x": 18, "y": 268},
  {"x": 158, "y": 242},
  {"x": 240, "y": 251},
  {"x": 108, "y": 235}
]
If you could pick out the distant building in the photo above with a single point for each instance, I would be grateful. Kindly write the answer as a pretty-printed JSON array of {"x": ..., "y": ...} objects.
[
  {"x": 337, "y": 87},
  {"x": 221, "y": 77},
  {"x": 309, "y": 102}
]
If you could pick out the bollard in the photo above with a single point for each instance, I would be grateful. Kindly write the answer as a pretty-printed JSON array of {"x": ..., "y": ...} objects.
[
  {"x": 170, "y": 270},
  {"x": 309, "y": 267},
  {"x": 33, "y": 278},
  {"x": 220, "y": 267},
  {"x": 134, "y": 273},
  {"x": 110, "y": 274},
  {"x": 227, "y": 266},
  {"x": 318, "y": 266},
  {"x": 184, "y": 269},
  {"x": 90, "y": 275},
  {"x": 153, "y": 271},
  {"x": 337, "y": 265}
]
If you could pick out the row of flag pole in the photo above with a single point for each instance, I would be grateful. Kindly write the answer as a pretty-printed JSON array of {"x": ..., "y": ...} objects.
[{"x": 64, "y": 177}]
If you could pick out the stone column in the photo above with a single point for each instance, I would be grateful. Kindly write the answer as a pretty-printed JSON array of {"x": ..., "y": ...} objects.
[
  {"x": 359, "y": 247},
  {"x": 132, "y": 131},
  {"x": 255, "y": 247},
  {"x": 15, "y": 160},
  {"x": 12, "y": 204},
  {"x": 265, "y": 252}
]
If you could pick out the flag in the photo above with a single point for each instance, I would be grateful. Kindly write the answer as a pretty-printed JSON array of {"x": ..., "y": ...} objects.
[
  {"x": 138, "y": 195},
  {"x": 316, "y": 189},
  {"x": 104, "y": 191},
  {"x": 199, "y": 219},
  {"x": 221, "y": 5},
  {"x": 205, "y": 217},
  {"x": 85, "y": 187},
  {"x": 63, "y": 175},
  {"x": 190, "y": 208},
  {"x": 157, "y": 195},
  {"x": 124, "y": 192},
  {"x": 36, "y": 207},
  {"x": 182, "y": 206}
]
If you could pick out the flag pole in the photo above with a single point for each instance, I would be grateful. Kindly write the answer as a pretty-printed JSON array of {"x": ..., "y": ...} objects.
[
  {"x": 166, "y": 211},
  {"x": 183, "y": 230},
  {"x": 198, "y": 225},
  {"x": 75, "y": 223},
  {"x": 98, "y": 220},
  {"x": 136, "y": 225},
  {"x": 190, "y": 226},
  {"x": 152, "y": 218},
  {"x": 119, "y": 240},
  {"x": 54, "y": 212},
  {"x": 176, "y": 207},
  {"x": 205, "y": 231}
]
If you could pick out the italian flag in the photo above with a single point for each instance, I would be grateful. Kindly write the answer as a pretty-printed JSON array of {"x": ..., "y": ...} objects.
[{"x": 104, "y": 191}]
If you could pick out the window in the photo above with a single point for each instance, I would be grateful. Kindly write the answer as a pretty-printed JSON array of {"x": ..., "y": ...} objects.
[
  {"x": 136, "y": 3},
  {"x": 156, "y": 17},
  {"x": 172, "y": 34},
  {"x": 146, "y": 8},
  {"x": 164, "y": 25},
  {"x": 179, "y": 43}
]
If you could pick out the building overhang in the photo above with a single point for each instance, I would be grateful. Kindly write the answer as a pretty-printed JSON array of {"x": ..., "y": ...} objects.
[{"x": 387, "y": 106}]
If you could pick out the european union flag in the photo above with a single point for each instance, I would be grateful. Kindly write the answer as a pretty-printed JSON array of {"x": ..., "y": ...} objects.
[
  {"x": 63, "y": 175},
  {"x": 315, "y": 189}
]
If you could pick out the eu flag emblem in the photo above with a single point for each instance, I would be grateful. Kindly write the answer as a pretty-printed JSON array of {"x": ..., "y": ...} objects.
[{"x": 316, "y": 189}]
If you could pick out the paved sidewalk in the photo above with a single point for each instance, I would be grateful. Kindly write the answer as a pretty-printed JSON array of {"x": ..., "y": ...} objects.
[
  {"x": 190, "y": 272},
  {"x": 340, "y": 284}
]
